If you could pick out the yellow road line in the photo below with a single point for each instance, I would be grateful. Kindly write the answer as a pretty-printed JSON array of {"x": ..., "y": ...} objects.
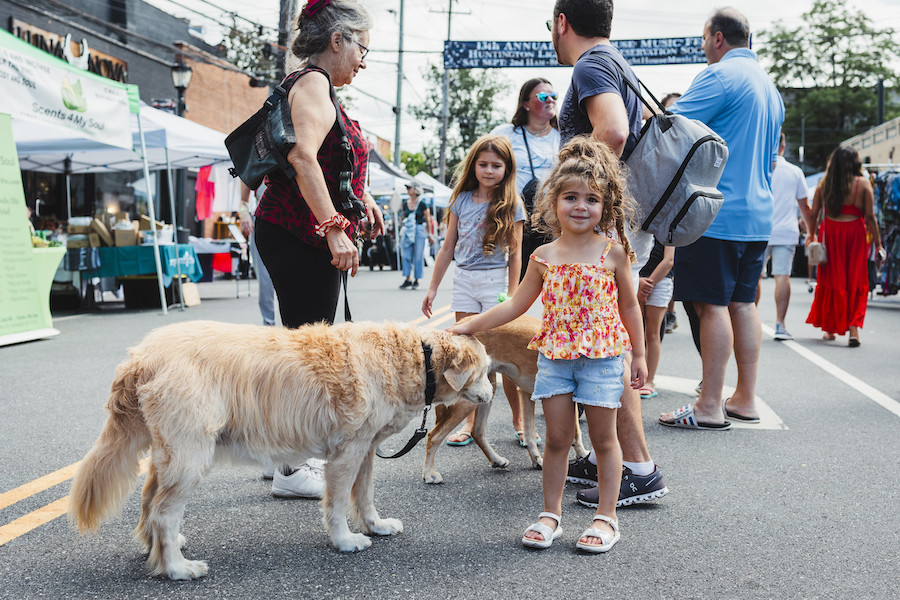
[
  {"x": 38, "y": 485},
  {"x": 47, "y": 513},
  {"x": 33, "y": 520},
  {"x": 435, "y": 322},
  {"x": 434, "y": 314}
]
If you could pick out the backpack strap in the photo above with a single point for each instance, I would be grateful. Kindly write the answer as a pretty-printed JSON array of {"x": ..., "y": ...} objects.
[{"x": 634, "y": 89}]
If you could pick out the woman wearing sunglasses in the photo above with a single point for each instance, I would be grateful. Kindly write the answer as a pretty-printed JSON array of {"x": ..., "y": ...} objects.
[{"x": 534, "y": 135}]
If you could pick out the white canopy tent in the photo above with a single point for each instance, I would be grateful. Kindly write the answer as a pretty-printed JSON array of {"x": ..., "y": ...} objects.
[
  {"x": 440, "y": 192},
  {"x": 160, "y": 140}
]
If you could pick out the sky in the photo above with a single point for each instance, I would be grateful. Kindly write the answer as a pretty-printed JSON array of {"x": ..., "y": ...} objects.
[{"x": 425, "y": 28}]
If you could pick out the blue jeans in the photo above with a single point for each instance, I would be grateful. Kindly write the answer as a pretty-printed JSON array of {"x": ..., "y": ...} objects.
[
  {"x": 413, "y": 255},
  {"x": 266, "y": 289}
]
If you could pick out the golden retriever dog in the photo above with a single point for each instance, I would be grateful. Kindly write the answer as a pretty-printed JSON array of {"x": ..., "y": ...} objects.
[
  {"x": 507, "y": 346},
  {"x": 201, "y": 391}
]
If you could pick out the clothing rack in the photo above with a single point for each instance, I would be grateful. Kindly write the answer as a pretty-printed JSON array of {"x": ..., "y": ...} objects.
[{"x": 887, "y": 210}]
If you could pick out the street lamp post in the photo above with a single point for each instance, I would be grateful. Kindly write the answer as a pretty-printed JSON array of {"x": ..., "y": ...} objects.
[{"x": 181, "y": 79}]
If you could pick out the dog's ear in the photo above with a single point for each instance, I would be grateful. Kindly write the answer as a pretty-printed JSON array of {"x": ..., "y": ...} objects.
[{"x": 456, "y": 377}]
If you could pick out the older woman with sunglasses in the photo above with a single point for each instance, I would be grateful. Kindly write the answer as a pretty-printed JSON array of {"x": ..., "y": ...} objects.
[
  {"x": 534, "y": 136},
  {"x": 304, "y": 242}
]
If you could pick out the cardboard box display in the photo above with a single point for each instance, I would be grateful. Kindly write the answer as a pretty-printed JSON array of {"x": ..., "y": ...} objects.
[
  {"x": 77, "y": 229},
  {"x": 125, "y": 237},
  {"x": 145, "y": 224},
  {"x": 78, "y": 241},
  {"x": 94, "y": 240},
  {"x": 102, "y": 231}
]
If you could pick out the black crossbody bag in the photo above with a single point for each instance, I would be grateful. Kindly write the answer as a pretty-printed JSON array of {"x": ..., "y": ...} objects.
[{"x": 260, "y": 145}]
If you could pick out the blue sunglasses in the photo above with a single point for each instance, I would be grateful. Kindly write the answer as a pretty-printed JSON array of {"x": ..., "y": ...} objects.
[{"x": 544, "y": 96}]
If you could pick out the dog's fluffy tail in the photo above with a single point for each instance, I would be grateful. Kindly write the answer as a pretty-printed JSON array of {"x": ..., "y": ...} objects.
[{"x": 109, "y": 471}]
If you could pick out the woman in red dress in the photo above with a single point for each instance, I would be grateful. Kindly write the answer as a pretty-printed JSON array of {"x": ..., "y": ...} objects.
[{"x": 843, "y": 205}]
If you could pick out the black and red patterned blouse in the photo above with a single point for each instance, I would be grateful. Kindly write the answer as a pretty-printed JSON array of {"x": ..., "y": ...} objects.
[{"x": 283, "y": 204}]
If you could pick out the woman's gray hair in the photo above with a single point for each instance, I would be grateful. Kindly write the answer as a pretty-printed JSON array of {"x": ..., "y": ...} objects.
[{"x": 312, "y": 34}]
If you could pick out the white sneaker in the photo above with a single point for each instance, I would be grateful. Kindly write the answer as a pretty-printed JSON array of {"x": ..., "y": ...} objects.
[
  {"x": 306, "y": 481},
  {"x": 781, "y": 334}
]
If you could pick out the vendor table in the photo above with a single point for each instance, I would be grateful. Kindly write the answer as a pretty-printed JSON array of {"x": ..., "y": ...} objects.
[{"x": 128, "y": 261}]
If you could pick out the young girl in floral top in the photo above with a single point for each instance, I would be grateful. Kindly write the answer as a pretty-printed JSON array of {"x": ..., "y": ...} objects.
[{"x": 590, "y": 315}]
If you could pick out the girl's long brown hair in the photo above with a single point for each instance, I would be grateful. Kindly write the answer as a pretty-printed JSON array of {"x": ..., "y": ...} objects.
[
  {"x": 843, "y": 165},
  {"x": 500, "y": 224},
  {"x": 594, "y": 164}
]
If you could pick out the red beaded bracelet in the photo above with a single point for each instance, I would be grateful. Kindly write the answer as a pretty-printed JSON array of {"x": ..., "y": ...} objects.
[{"x": 338, "y": 220}]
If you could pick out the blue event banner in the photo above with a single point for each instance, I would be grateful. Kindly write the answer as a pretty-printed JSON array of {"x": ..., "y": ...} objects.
[{"x": 498, "y": 55}]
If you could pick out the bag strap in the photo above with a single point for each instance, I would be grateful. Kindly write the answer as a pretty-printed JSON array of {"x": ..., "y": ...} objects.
[
  {"x": 634, "y": 89},
  {"x": 528, "y": 150}
]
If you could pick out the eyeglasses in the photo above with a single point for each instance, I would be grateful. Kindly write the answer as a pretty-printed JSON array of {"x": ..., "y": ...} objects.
[
  {"x": 549, "y": 24},
  {"x": 546, "y": 96},
  {"x": 365, "y": 50}
]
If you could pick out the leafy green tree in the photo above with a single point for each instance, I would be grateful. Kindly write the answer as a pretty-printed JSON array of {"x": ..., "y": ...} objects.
[
  {"x": 413, "y": 163},
  {"x": 472, "y": 107},
  {"x": 827, "y": 70}
]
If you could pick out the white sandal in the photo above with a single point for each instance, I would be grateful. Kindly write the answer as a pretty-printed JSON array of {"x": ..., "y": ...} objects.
[
  {"x": 609, "y": 539},
  {"x": 548, "y": 534}
]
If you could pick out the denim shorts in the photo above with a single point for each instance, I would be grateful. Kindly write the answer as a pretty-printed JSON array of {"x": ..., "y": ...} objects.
[
  {"x": 591, "y": 381},
  {"x": 475, "y": 291},
  {"x": 782, "y": 259}
]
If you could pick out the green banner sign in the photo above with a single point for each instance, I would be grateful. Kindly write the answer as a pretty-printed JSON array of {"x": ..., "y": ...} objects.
[{"x": 25, "y": 272}]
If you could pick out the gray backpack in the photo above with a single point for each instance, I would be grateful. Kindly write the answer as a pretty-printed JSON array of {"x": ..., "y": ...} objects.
[{"x": 673, "y": 171}]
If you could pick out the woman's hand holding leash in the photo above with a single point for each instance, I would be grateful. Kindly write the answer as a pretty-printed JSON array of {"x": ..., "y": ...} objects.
[{"x": 344, "y": 254}]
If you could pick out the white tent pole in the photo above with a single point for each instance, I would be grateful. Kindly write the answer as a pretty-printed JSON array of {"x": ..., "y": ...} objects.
[
  {"x": 152, "y": 211},
  {"x": 175, "y": 228}
]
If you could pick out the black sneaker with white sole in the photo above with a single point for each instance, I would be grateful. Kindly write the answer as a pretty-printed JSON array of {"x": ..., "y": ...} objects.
[
  {"x": 635, "y": 489},
  {"x": 582, "y": 471}
]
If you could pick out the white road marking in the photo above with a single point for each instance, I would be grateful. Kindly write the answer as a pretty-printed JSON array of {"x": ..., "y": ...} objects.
[
  {"x": 862, "y": 387},
  {"x": 768, "y": 419}
]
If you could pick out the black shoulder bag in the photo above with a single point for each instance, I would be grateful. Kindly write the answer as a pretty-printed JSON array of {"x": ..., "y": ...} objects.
[{"x": 260, "y": 146}]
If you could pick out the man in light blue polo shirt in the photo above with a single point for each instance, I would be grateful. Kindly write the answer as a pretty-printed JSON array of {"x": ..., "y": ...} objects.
[{"x": 720, "y": 271}]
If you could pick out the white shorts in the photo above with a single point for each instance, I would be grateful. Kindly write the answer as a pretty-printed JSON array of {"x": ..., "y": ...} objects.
[
  {"x": 475, "y": 291},
  {"x": 782, "y": 259},
  {"x": 661, "y": 294}
]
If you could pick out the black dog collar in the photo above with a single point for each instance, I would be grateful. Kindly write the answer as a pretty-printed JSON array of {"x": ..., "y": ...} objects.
[{"x": 430, "y": 390}]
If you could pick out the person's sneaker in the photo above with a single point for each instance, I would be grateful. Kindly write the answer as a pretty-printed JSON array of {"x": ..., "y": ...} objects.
[
  {"x": 671, "y": 322},
  {"x": 406, "y": 284},
  {"x": 415, "y": 284},
  {"x": 582, "y": 471},
  {"x": 307, "y": 481},
  {"x": 781, "y": 334},
  {"x": 635, "y": 489}
]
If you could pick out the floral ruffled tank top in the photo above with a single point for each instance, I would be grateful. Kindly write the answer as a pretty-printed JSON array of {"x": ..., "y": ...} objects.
[{"x": 581, "y": 312}]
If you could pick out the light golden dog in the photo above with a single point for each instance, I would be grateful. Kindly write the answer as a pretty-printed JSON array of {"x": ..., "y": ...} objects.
[
  {"x": 507, "y": 345},
  {"x": 196, "y": 392}
]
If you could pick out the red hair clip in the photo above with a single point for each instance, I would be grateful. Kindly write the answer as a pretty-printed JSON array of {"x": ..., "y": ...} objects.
[{"x": 314, "y": 6}]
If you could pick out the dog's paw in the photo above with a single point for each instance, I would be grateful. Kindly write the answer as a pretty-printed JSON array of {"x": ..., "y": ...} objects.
[
  {"x": 353, "y": 543},
  {"x": 432, "y": 477},
  {"x": 499, "y": 463},
  {"x": 386, "y": 526},
  {"x": 537, "y": 462},
  {"x": 188, "y": 569}
]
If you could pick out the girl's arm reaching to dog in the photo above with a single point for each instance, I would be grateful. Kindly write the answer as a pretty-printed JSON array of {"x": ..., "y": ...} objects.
[
  {"x": 441, "y": 263},
  {"x": 630, "y": 313},
  {"x": 525, "y": 295}
]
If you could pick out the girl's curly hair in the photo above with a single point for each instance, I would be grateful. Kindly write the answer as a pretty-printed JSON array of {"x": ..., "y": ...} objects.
[
  {"x": 499, "y": 222},
  {"x": 590, "y": 162}
]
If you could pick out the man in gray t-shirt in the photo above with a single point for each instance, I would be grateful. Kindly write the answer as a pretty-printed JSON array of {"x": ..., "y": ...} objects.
[{"x": 600, "y": 103}]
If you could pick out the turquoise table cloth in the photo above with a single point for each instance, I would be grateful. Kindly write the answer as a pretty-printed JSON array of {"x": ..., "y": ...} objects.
[{"x": 138, "y": 260}]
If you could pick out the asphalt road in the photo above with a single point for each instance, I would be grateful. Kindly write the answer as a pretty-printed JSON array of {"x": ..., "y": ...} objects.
[{"x": 804, "y": 506}]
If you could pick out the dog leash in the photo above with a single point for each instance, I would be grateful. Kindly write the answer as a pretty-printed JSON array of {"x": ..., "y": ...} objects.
[{"x": 430, "y": 389}]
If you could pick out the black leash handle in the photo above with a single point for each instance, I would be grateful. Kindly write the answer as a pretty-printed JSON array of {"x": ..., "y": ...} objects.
[{"x": 415, "y": 439}]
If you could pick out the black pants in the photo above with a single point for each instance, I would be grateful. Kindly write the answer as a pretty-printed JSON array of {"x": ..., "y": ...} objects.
[{"x": 307, "y": 284}]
